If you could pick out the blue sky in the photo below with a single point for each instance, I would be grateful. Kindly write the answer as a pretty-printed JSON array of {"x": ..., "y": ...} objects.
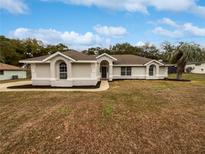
[{"x": 88, "y": 23}]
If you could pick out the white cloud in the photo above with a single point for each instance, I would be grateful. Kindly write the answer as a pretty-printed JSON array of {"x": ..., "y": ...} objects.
[
  {"x": 168, "y": 33},
  {"x": 172, "y": 5},
  {"x": 178, "y": 30},
  {"x": 168, "y": 21},
  {"x": 140, "y": 43},
  {"x": 194, "y": 30},
  {"x": 110, "y": 31},
  {"x": 200, "y": 10},
  {"x": 141, "y": 5},
  {"x": 52, "y": 36},
  {"x": 13, "y": 6}
]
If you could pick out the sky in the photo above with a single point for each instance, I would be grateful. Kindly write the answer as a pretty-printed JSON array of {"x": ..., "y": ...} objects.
[{"x": 82, "y": 24}]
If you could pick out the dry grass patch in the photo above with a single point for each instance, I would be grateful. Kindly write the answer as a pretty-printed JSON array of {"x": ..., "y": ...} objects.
[{"x": 133, "y": 116}]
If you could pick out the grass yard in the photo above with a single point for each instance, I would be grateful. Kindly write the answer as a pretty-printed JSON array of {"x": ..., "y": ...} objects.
[{"x": 133, "y": 116}]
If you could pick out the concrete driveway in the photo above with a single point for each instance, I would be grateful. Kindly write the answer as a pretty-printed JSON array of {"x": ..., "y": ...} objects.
[{"x": 3, "y": 87}]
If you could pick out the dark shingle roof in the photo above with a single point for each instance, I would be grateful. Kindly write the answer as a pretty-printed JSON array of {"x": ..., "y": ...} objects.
[
  {"x": 71, "y": 53},
  {"x": 40, "y": 58},
  {"x": 130, "y": 59},
  {"x": 121, "y": 59},
  {"x": 78, "y": 55},
  {"x": 9, "y": 67}
]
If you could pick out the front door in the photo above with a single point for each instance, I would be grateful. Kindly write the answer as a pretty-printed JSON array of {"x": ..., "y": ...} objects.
[{"x": 104, "y": 72}]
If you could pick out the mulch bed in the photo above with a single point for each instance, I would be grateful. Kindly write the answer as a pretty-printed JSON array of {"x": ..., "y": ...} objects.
[
  {"x": 181, "y": 80},
  {"x": 30, "y": 86}
]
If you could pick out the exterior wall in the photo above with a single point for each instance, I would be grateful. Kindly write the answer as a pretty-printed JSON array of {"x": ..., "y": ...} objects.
[
  {"x": 138, "y": 72},
  {"x": 200, "y": 69},
  {"x": 163, "y": 72},
  {"x": 43, "y": 71},
  {"x": 110, "y": 61},
  {"x": 79, "y": 74},
  {"x": 8, "y": 75},
  {"x": 40, "y": 74},
  {"x": 85, "y": 74},
  {"x": 81, "y": 70}
]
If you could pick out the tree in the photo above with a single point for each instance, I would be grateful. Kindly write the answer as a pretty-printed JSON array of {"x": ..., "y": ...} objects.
[
  {"x": 13, "y": 50},
  {"x": 183, "y": 53},
  {"x": 167, "y": 49},
  {"x": 150, "y": 51}
]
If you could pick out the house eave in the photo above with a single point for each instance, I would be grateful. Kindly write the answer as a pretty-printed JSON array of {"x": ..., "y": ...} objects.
[{"x": 105, "y": 54}]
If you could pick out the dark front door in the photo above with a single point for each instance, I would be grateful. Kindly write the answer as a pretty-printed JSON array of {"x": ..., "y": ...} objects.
[{"x": 104, "y": 72}]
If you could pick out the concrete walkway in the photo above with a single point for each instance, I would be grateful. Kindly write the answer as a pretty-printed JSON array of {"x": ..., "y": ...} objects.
[{"x": 3, "y": 87}]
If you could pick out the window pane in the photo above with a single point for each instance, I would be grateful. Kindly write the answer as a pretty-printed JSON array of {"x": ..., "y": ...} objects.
[
  {"x": 122, "y": 70},
  {"x": 129, "y": 71},
  {"x": 1, "y": 72},
  {"x": 63, "y": 71},
  {"x": 151, "y": 70},
  {"x": 63, "y": 75}
]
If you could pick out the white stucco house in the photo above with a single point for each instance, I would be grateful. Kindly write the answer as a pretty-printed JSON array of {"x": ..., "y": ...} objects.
[
  {"x": 8, "y": 72},
  {"x": 196, "y": 67},
  {"x": 72, "y": 68}
]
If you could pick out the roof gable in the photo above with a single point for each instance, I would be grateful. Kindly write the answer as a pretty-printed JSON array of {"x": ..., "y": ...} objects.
[
  {"x": 56, "y": 54},
  {"x": 107, "y": 55},
  {"x": 154, "y": 61}
]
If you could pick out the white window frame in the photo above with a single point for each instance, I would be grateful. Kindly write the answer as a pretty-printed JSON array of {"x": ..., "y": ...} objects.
[
  {"x": 63, "y": 71},
  {"x": 127, "y": 71}
]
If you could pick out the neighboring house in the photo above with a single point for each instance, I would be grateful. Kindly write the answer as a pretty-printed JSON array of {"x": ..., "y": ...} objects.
[
  {"x": 197, "y": 67},
  {"x": 8, "y": 72},
  {"x": 72, "y": 68}
]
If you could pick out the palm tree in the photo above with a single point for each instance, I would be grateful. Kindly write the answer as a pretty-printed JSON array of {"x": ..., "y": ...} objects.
[{"x": 183, "y": 53}]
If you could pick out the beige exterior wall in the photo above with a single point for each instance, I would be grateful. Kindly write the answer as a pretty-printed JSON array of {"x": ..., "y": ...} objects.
[
  {"x": 163, "y": 71},
  {"x": 138, "y": 72},
  {"x": 141, "y": 72},
  {"x": 110, "y": 67},
  {"x": 40, "y": 74},
  {"x": 43, "y": 71},
  {"x": 81, "y": 70},
  {"x": 88, "y": 73},
  {"x": 79, "y": 74}
]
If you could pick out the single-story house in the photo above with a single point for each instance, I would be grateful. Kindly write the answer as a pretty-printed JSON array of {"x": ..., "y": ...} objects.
[
  {"x": 8, "y": 72},
  {"x": 72, "y": 68},
  {"x": 195, "y": 67}
]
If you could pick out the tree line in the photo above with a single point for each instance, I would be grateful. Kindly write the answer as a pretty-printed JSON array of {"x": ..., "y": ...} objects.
[{"x": 13, "y": 50}]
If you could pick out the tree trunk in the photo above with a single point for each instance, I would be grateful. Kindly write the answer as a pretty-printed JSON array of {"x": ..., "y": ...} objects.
[
  {"x": 179, "y": 75},
  {"x": 180, "y": 70}
]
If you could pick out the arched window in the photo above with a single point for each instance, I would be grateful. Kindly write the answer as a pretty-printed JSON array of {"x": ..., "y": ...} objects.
[
  {"x": 151, "y": 70},
  {"x": 63, "y": 70}
]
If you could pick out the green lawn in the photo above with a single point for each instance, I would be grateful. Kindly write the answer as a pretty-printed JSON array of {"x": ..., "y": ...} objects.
[
  {"x": 195, "y": 77},
  {"x": 133, "y": 116}
]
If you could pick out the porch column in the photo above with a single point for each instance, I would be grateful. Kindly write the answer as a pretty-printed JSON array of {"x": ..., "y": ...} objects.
[
  {"x": 33, "y": 71},
  {"x": 157, "y": 71},
  {"x": 52, "y": 71},
  {"x": 69, "y": 70},
  {"x": 94, "y": 70},
  {"x": 110, "y": 71},
  {"x": 147, "y": 72}
]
